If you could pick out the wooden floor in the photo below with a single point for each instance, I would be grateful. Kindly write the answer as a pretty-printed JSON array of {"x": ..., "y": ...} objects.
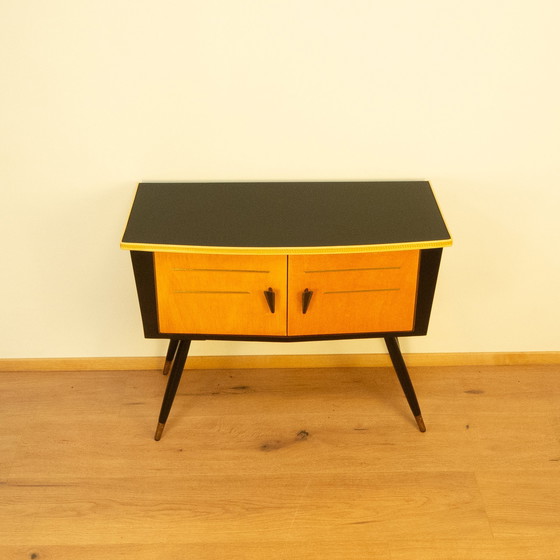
[{"x": 281, "y": 464}]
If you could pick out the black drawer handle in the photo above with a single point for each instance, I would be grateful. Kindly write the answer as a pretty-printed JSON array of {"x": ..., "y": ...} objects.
[
  {"x": 306, "y": 300},
  {"x": 270, "y": 299}
]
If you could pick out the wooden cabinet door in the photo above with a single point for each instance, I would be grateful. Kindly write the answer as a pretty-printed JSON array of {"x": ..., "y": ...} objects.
[
  {"x": 220, "y": 294},
  {"x": 352, "y": 293}
]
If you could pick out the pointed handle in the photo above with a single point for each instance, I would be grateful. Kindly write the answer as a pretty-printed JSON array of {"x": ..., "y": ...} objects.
[
  {"x": 306, "y": 300},
  {"x": 270, "y": 299}
]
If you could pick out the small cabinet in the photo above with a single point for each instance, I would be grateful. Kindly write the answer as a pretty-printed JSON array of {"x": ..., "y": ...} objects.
[
  {"x": 281, "y": 295},
  {"x": 285, "y": 262}
]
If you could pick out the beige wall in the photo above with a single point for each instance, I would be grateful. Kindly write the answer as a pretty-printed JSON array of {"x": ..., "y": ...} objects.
[{"x": 99, "y": 95}]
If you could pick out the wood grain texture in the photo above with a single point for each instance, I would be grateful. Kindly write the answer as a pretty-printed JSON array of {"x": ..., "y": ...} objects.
[
  {"x": 353, "y": 293},
  {"x": 223, "y": 294},
  {"x": 285, "y": 463},
  {"x": 220, "y": 294}
]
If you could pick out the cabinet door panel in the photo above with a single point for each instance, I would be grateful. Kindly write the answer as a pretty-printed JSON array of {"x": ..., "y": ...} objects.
[
  {"x": 220, "y": 294},
  {"x": 352, "y": 293}
]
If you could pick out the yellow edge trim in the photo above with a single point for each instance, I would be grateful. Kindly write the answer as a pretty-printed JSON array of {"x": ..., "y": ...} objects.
[{"x": 286, "y": 250}]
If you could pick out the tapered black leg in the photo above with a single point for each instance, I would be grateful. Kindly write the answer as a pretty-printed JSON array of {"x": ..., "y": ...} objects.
[
  {"x": 404, "y": 378},
  {"x": 173, "y": 343},
  {"x": 172, "y": 385}
]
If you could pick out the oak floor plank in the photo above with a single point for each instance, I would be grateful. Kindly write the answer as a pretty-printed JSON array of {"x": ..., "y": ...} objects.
[
  {"x": 494, "y": 549},
  {"x": 259, "y": 444},
  {"x": 514, "y": 390},
  {"x": 239, "y": 550},
  {"x": 382, "y": 506},
  {"x": 13, "y": 427},
  {"x": 522, "y": 503}
]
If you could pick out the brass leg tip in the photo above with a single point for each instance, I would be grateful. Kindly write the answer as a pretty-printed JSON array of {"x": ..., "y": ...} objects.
[
  {"x": 167, "y": 367},
  {"x": 159, "y": 431},
  {"x": 420, "y": 422}
]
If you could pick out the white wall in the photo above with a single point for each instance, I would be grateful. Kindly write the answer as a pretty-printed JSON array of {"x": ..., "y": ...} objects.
[{"x": 99, "y": 95}]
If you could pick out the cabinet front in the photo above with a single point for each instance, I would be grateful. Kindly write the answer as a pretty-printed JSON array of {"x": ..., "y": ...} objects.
[
  {"x": 352, "y": 293},
  {"x": 221, "y": 294},
  {"x": 278, "y": 295}
]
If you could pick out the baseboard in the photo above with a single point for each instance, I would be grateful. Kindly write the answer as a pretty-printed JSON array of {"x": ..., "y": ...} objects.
[{"x": 283, "y": 361}]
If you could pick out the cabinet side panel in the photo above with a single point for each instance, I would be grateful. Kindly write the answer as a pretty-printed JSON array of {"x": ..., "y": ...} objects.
[
  {"x": 352, "y": 293},
  {"x": 143, "y": 266},
  {"x": 429, "y": 267}
]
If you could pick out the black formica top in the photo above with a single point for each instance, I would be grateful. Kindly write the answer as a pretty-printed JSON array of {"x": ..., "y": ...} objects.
[{"x": 287, "y": 217}]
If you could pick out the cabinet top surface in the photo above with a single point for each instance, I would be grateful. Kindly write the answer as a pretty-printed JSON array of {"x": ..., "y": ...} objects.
[{"x": 285, "y": 217}]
